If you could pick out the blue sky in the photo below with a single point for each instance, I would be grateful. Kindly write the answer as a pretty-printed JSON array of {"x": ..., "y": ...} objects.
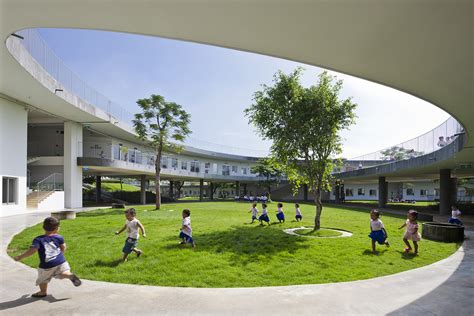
[{"x": 215, "y": 85}]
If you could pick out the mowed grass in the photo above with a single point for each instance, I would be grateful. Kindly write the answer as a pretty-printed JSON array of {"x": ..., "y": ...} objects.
[
  {"x": 318, "y": 233},
  {"x": 418, "y": 203},
  {"x": 110, "y": 186},
  {"x": 230, "y": 251}
]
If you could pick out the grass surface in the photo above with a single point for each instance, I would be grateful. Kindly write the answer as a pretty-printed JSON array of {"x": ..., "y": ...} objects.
[
  {"x": 108, "y": 186},
  {"x": 418, "y": 203},
  {"x": 318, "y": 233},
  {"x": 230, "y": 251}
]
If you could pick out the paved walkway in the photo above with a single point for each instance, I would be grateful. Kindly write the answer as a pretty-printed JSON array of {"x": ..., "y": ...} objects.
[{"x": 443, "y": 288}]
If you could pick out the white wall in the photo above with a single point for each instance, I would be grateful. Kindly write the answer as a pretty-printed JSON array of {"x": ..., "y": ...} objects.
[
  {"x": 72, "y": 172},
  {"x": 53, "y": 202},
  {"x": 395, "y": 188},
  {"x": 13, "y": 144}
]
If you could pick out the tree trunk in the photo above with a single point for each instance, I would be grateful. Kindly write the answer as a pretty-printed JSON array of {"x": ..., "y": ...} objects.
[
  {"x": 319, "y": 208},
  {"x": 157, "y": 181}
]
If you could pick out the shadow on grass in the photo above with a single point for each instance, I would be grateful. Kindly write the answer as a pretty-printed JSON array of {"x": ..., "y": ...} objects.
[
  {"x": 407, "y": 255},
  {"x": 105, "y": 263},
  {"x": 368, "y": 252},
  {"x": 248, "y": 244},
  {"x": 105, "y": 212}
]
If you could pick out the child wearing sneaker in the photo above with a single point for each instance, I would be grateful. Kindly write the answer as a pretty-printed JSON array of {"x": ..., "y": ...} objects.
[
  {"x": 186, "y": 233},
  {"x": 132, "y": 224},
  {"x": 53, "y": 264},
  {"x": 377, "y": 230}
]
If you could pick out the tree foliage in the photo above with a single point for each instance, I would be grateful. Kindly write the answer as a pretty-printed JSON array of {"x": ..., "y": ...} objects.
[
  {"x": 269, "y": 170},
  {"x": 304, "y": 125},
  {"x": 396, "y": 153},
  {"x": 160, "y": 125}
]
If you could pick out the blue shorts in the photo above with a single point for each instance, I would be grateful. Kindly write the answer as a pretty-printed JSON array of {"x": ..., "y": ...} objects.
[
  {"x": 378, "y": 236},
  {"x": 254, "y": 217},
  {"x": 130, "y": 243},
  {"x": 281, "y": 216},
  {"x": 299, "y": 217},
  {"x": 264, "y": 217},
  {"x": 455, "y": 221},
  {"x": 187, "y": 238}
]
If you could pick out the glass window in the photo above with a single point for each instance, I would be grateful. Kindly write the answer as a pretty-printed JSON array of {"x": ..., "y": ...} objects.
[
  {"x": 195, "y": 166},
  {"x": 184, "y": 165},
  {"x": 207, "y": 166},
  {"x": 9, "y": 190},
  {"x": 349, "y": 192},
  {"x": 244, "y": 170},
  {"x": 372, "y": 192},
  {"x": 436, "y": 192},
  {"x": 360, "y": 191},
  {"x": 423, "y": 192},
  {"x": 225, "y": 170},
  {"x": 174, "y": 163},
  {"x": 164, "y": 162},
  {"x": 234, "y": 169},
  {"x": 410, "y": 192}
]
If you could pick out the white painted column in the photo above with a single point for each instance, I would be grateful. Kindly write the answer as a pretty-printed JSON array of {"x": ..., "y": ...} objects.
[{"x": 72, "y": 172}]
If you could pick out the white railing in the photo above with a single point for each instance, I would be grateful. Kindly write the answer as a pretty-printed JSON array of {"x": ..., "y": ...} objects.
[{"x": 53, "y": 182}]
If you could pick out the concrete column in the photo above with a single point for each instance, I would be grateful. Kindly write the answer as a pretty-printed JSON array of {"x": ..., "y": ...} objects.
[
  {"x": 237, "y": 188},
  {"x": 98, "y": 188},
  {"x": 143, "y": 184},
  {"x": 245, "y": 188},
  {"x": 211, "y": 193},
  {"x": 201, "y": 184},
  {"x": 72, "y": 172},
  {"x": 171, "y": 192},
  {"x": 305, "y": 192},
  {"x": 337, "y": 192},
  {"x": 383, "y": 192},
  {"x": 445, "y": 191}
]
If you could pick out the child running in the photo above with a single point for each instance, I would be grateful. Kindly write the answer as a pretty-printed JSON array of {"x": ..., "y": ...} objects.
[
  {"x": 186, "y": 233},
  {"x": 455, "y": 216},
  {"x": 377, "y": 230},
  {"x": 264, "y": 217},
  {"x": 254, "y": 212},
  {"x": 53, "y": 264},
  {"x": 298, "y": 216},
  {"x": 280, "y": 214},
  {"x": 132, "y": 224},
  {"x": 411, "y": 232}
]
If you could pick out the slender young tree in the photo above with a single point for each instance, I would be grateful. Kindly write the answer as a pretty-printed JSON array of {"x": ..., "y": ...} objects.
[
  {"x": 269, "y": 170},
  {"x": 160, "y": 123},
  {"x": 304, "y": 125}
]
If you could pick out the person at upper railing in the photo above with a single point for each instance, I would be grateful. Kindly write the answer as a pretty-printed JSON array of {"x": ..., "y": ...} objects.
[{"x": 442, "y": 142}]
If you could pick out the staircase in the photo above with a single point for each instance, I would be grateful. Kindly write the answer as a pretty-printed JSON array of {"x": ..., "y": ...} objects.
[{"x": 36, "y": 197}]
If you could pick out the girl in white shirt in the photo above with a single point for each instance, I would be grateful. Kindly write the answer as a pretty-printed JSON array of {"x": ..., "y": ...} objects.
[
  {"x": 254, "y": 212},
  {"x": 298, "y": 216},
  {"x": 455, "y": 216},
  {"x": 377, "y": 230},
  {"x": 264, "y": 217}
]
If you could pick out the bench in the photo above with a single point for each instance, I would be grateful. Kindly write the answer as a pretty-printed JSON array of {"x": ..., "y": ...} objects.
[{"x": 64, "y": 215}]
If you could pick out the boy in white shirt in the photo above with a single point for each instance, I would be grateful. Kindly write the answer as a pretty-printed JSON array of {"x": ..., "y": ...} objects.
[
  {"x": 254, "y": 212},
  {"x": 186, "y": 233},
  {"x": 132, "y": 225}
]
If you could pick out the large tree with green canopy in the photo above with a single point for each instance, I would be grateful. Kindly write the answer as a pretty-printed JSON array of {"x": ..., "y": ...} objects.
[
  {"x": 160, "y": 123},
  {"x": 304, "y": 126}
]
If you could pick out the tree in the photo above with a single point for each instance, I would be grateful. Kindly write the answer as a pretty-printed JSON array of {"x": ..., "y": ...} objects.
[
  {"x": 158, "y": 124},
  {"x": 269, "y": 170},
  {"x": 396, "y": 153},
  {"x": 304, "y": 125}
]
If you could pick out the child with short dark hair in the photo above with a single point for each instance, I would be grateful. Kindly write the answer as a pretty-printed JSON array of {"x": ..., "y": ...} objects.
[
  {"x": 377, "y": 230},
  {"x": 264, "y": 217},
  {"x": 53, "y": 264},
  {"x": 298, "y": 216},
  {"x": 132, "y": 225},
  {"x": 186, "y": 233},
  {"x": 254, "y": 212},
  {"x": 280, "y": 214},
  {"x": 411, "y": 232},
  {"x": 455, "y": 216}
]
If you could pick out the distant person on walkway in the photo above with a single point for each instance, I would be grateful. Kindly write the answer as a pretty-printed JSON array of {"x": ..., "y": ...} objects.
[
  {"x": 377, "y": 230},
  {"x": 298, "y": 216},
  {"x": 455, "y": 216},
  {"x": 254, "y": 212},
  {"x": 411, "y": 232},
  {"x": 280, "y": 214},
  {"x": 442, "y": 142},
  {"x": 186, "y": 233},
  {"x": 264, "y": 217},
  {"x": 53, "y": 264},
  {"x": 132, "y": 225}
]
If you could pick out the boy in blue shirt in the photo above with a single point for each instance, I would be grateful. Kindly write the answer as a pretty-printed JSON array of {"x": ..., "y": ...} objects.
[{"x": 50, "y": 248}]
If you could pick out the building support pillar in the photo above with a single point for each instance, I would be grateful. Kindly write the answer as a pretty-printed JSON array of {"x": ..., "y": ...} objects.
[
  {"x": 72, "y": 172},
  {"x": 143, "y": 185},
  {"x": 201, "y": 185},
  {"x": 237, "y": 188},
  {"x": 337, "y": 192},
  {"x": 171, "y": 191},
  {"x": 98, "y": 189},
  {"x": 383, "y": 192},
  {"x": 211, "y": 194},
  {"x": 245, "y": 188},
  {"x": 446, "y": 189},
  {"x": 305, "y": 192}
]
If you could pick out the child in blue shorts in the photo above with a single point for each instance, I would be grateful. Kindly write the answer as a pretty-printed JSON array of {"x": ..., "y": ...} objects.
[
  {"x": 264, "y": 217},
  {"x": 132, "y": 224},
  {"x": 298, "y": 215},
  {"x": 186, "y": 233},
  {"x": 280, "y": 214},
  {"x": 254, "y": 212},
  {"x": 377, "y": 230}
]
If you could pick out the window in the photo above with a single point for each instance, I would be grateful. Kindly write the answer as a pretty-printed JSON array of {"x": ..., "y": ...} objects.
[
  {"x": 372, "y": 192},
  {"x": 207, "y": 166},
  {"x": 349, "y": 192},
  {"x": 423, "y": 192},
  {"x": 164, "y": 162},
  {"x": 244, "y": 170},
  {"x": 225, "y": 170},
  {"x": 410, "y": 192},
  {"x": 184, "y": 165},
  {"x": 360, "y": 191},
  {"x": 195, "y": 166},
  {"x": 9, "y": 190},
  {"x": 234, "y": 169},
  {"x": 436, "y": 192},
  {"x": 174, "y": 163}
]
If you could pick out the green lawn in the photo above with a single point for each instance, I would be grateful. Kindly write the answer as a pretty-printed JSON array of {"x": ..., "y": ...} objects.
[
  {"x": 418, "y": 203},
  {"x": 231, "y": 252},
  {"x": 318, "y": 233},
  {"x": 110, "y": 186}
]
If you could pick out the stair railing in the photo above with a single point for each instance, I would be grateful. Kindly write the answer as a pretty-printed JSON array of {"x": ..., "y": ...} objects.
[{"x": 53, "y": 182}]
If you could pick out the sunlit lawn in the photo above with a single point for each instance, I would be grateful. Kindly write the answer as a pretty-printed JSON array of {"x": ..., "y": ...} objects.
[
  {"x": 111, "y": 186},
  {"x": 231, "y": 252},
  {"x": 418, "y": 203}
]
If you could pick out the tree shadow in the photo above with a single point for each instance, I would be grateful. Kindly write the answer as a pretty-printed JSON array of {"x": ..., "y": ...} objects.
[
  {"x": 104, "y": 212},
  {"x": 27, "y": 299},
  {"x": 249, "y": 244},
  {"x": 105, "y": 263},
  {"x": 407, "y": 255}
]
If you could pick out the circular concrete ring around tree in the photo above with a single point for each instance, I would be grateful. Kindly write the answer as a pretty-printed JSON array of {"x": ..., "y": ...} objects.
[{"x": 293, "y": 231}]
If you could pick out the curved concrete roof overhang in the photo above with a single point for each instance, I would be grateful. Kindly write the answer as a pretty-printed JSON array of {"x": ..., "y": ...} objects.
[{"x": 424, "y": 48}]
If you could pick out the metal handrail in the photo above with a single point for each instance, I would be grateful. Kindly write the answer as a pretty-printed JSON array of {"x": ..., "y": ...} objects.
[{"x": 51, "y": 183}]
